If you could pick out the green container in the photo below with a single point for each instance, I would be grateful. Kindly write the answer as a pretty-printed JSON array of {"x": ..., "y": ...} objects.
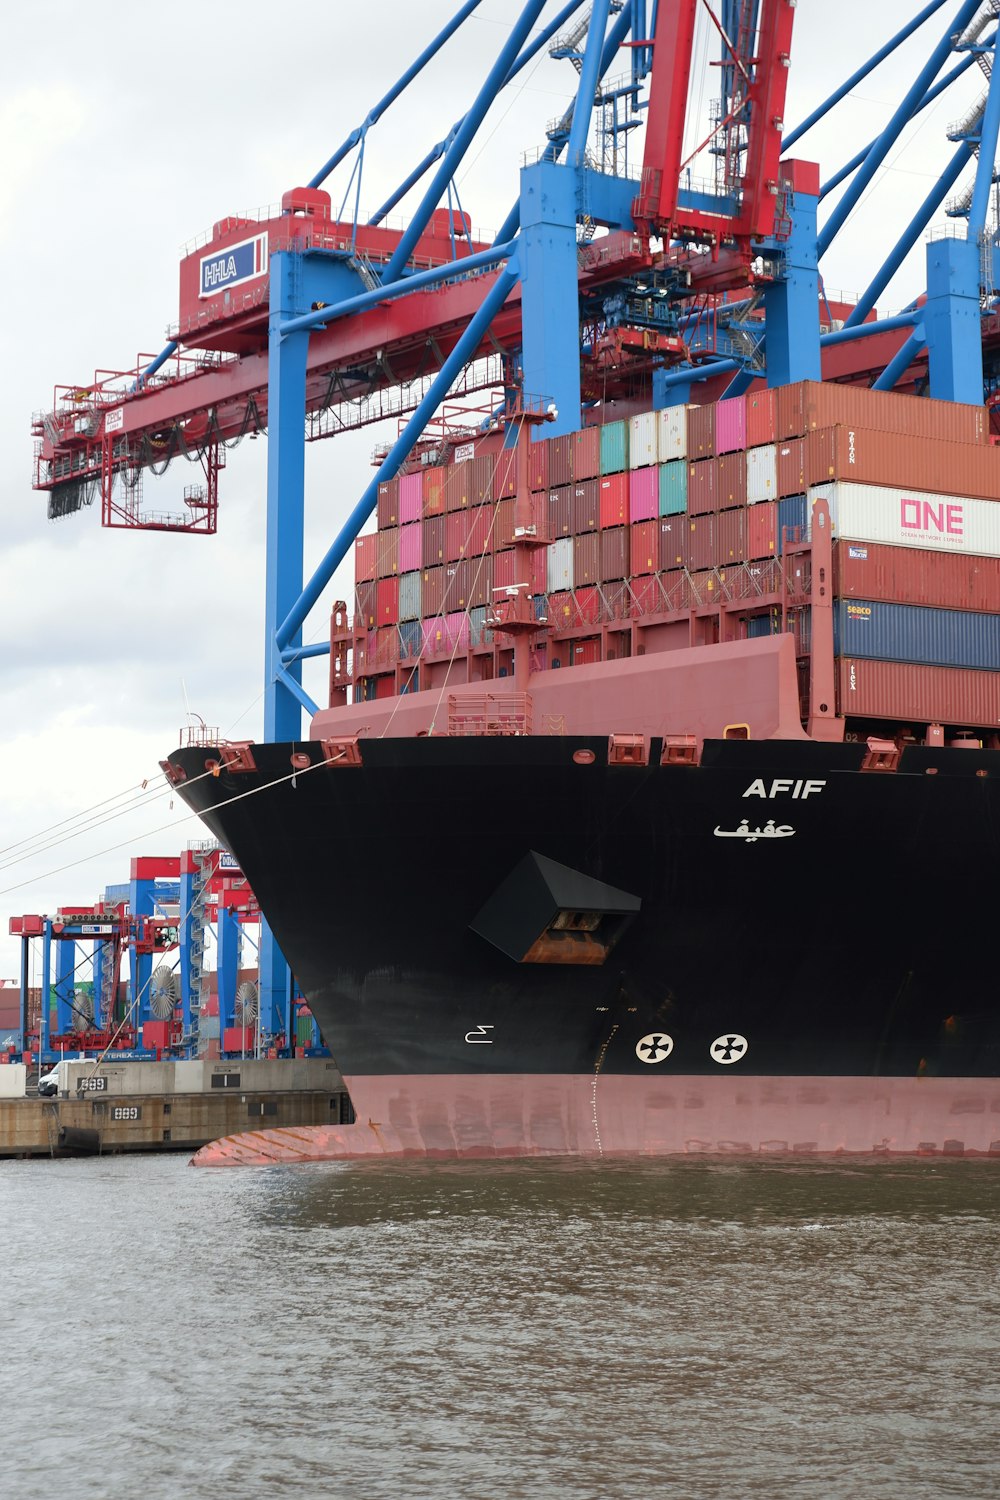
[
  {"x": 614, "y": 447},
  {"x": 674, "y": 487}
]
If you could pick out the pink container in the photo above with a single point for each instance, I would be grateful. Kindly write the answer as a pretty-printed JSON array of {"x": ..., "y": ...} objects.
[
  {"x": 411, "y": 497},
  {"x": 730, "y": 425},
  {"x": 410, "y": 546},
  {"x": 457, "y": 630},
  {"x": 643, "y": 494}
]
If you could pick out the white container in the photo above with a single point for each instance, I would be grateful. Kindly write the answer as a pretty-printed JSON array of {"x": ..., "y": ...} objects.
[
  {"x": 907, "y": 518},
  {"x": 762, "y": 474},
  {"x": 13, "y": 1080},
  {"x": 642, "y": 440},
  {"x": 671, "y": 433},
  {"x": 559, "y": 565}
]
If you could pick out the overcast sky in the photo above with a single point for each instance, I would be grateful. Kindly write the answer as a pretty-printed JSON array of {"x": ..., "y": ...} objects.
[{"x": 129, "y": 129}]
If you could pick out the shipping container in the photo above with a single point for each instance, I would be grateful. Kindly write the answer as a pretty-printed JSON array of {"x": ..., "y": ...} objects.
[
  {"x": 673, "y": 488},
  {"x": 433, "y": 541},
  {"x": 702, "y": 487},
  {"x": 410, "y": 635},
  {"x": 411, "y": 497},
  {"x": 588, "y": 600},
  {"x": 504, "y": 570},
  {"x": 482, "y": 480},
  {"x": 914, "y": 633},
  {"x": 699, "y": 545},
  {"x": 560, "y": 513},
  {"x": 584, "y": 652},
  {"x": 614, "y": 500},
  {"x": 387, "y": 553},
  {"x": 731, "y": 425},
  {"x": 762, "y": 529},
  {"x": 644, "y": 548},
  {"x": 562, "y": 612},
  {"x": 671, "y": 434},
  {"x": 886, "y": 458},
  {"x": 673, "y": 542},
  {"x": 410, "y": 596},
  {"x": 503, "y": 525},
  {"x": 539, "y": 569},
  {"x": 730, "y": 537},
  {"x": 586, "y": 506},
  {"x": 791, "y": 467},
  {"x": 432, "y": 582},
  {"x": 614, "y": 447},
  {"x": 479, "y": 538},
  {"x": 365, "y": 557},
  {"x": 387, "y": 601},
  {"x": 456, "y": 586},
  {"x": 479, "y": 591},
  {"x": 643, "y": 494},
  {"x": 642, "y": 440},
  {"x": 504, "y": 485},
  {"x": 434, "y": 484},
  {"x": 559, "y": 564},
  {"x": 385, "y": 685},
  {"x": 538, "y": 463},
  {"x": 904, "y": 575},
  {"x": 459, "y": 485},
  {"x": 791, "y": 519},
  {"x": 478, "y": 634},
  {"x": 761, "y": 417},
  {"x": 587, "y": 559},
  {"x": 615, "y": 556},
  {"x": 366, "y": 604},
  {"x": 731, "y": 480},
  {"x": 456, "y": 532},
  {"x": 701, "y": 432},
  {"x": 646, "y": 591},
  {"x": 560, "y": 461},
  {"x": 762, "y": 478},
  {"x": 411, "y": 541},
  {"x": 900, "y": 518},
  {"x": 918, "y": 695},
  {"x": 810, "y": 405},
  {"x": 586, "y": 454},
  {"x": 387, "y": 509}
]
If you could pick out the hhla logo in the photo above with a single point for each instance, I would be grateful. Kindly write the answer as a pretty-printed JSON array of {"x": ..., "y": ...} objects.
[{"x": 947, "y": 519}]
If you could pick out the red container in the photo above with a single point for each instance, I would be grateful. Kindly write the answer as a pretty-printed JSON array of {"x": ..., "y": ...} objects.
[
  {"x": 587, "y": 503},
  {"x": 388, "y": 504},
  {"x": 673, "y": 542},
  {"x": 538, "y": 464},
  {"x": 479, "y": 534},
  {"x": 234, "y": 1039},
  {"x": 538, "y": 570},
  {"x": 387, "y": 601},
  {"x": 701, "y": 432},
  {"x": 586, "y": 453},
  {"x": 562, "y": 611},
  {"x": 615, "y": 553},
  {"x": 762, "y": 529},
  {"x": 385, "y": 685},
  {"x": 731, "y": 480},
  {"x": 703, "y": 481},
  {"x": 386, "y": 646},
  {"x": 614, "y": 500},
  {"x": 365, "y": 557},
  {"x": 560, "y": 461},
  {"x": 456, "y": 586},
  {"x": 366, "y": 604},
  {"x": 644, "y": 547},
  {"x": 790, "y": 462},
  {"x": 456, "y": 534},
  {"x": 644, "y": 494},
  {"x": 504, "y": 463},
  {"x": 560, "y": 518},
  {"x": 433, "y": 540},
  {"x": 904, "y": 575},
  {"x": 479, "y": 576},
  {"x": 699, "y": 550},
  {"x": 387, "y": 553},
  {"x": 894, "y": 691},
  {"x": 410, "y": 545},
  {"x": 504, "y": 569},
  {"x": 761, "y": 418},
  {"x": 811, "y": 405},
  {"x": 434, "y": 485},
  {"x": 481, "y": 480},
  {"x": 503, "y": 524},
  {"x": 903, "y": 461},
  {"x": 458, "y": 486},
  {"x": 589, "y": 607},
  {"x": 411, "y": 497},
  {"x": 731, "y": 537},
  {"x": 587, "y": 559},
  {"x": 432, "y": 591},
  {"x": 584, "y": 652}
]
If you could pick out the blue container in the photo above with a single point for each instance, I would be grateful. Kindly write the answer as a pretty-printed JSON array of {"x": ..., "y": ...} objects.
[
  {"x": 674, "y": 487},
  {"x": 914, "y": 633},
  {"x": 409, "y": 636},
  {"x": 409, "y": 596},
  {"x": 614, "y": 447},
  {"x": 759, "y": 625},
  {"x": 792, "y": 512},
  {"x": 541, "y": 606},
  {"x": 478, "y": 634}
]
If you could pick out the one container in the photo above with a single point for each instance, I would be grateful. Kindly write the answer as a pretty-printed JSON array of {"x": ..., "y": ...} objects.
[
  {"x": 913, "y": 633},
  {"x": 761, "y": 417},
  {"x": 644, "y": 555},
  {"x": 918, "y": 694},
  {"x": 560, "y": 517},
  {"x": 671, "y": 433},
  {"x": 614, "y": 447},
  {"x": 432, "y": 591},
  {"x": 701, "y": 432},
  {"x": 791, "y": 520},
  {"x": 366, "y": 604},
  {"x": 562, "y": 611},
  {"x": 457, "y": 525},
  {"x": 702, "y": 487},
  {"x": 538, "y": 463},
  {"x": 791, "y": 466},
  {"x": 587, "y": 559},
  {"x": 673, "y": 488},
  {"x": 762, "y": 529},
  {"x": 409, "y": 596},
  {"x": 730, "y": 540},
  {"x": 365, "y": 557},
  {"x": 410, "y": 634},
  {"x": 387, "y": 601},
  {"x": 388, "y": 504},
  {"x": 560, "y": 461},
  {"x": 614, "y": 500},
  {"x": 642, "y": 443},
  {"x": 504, "y": 463},
  {"x": 559, "y": 564},
  {"x": 589, "y": 606},
  {"x": 870, "y": 570},
  {"x": 387, "y": 646},
  {"x": 584, "y": 652},
  {"x": 481, "y": 480},
  {"x": 901, "y": 518},
  {"x": 699, "y": 549},
  {"x": 615, "y": 553},
  {"x": 673, "y": 542},
  {"x": 762, "y": 477},
  {"x": 503, "y": 525},
  {"x": 885, "y": 458},
  {"x": 434, "y": 484},
  {"x": 731, "y": 480},
  {"x": 647, "y": 593},
  {"x": 387, "y": 553},
  {"x": 459, "y": 486},
  {"x": 456, "y": 586},
  {"x": 433, "y": 529},
  {"x": 478, "y": 634},
  {"x": 478, "y": 539},
  {"x": 411, "y": 538},
  {"x": 731, "y": 425},
  {"x": 586, "y": 506},
  {"x": 586, "y": 454},
  {"x": 643, "y": 494},
  {"x": 480, "y": 581},
  {"x": 810, "y": 405},
  {"x": 504, "y": 569},
  {"x": 411, "y": 497}
]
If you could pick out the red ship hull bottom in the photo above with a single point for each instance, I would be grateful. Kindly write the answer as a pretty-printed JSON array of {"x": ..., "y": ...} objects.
[{"x": 475, "y": 1115}]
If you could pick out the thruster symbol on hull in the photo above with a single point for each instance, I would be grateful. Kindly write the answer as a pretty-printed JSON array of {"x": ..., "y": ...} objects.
[
  {"x": 654, "y": 1048},
  {"x": 729, "y": 1049}
]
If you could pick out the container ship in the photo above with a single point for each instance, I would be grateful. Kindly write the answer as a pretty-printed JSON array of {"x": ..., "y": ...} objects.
[{"x": 657, "y": 806}]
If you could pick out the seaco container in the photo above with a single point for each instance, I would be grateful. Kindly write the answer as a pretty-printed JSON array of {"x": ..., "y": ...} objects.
[
  {"x": 869, "y": 570},
  {"x": 673, "y": 488},
  {"x": 902, "y": 518},
  {"x": 920, "y": 694},
  {"x": 867, "y": 457},
  {"x": 811, "y": 404},
  {"x": 914, "y": 633}
]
